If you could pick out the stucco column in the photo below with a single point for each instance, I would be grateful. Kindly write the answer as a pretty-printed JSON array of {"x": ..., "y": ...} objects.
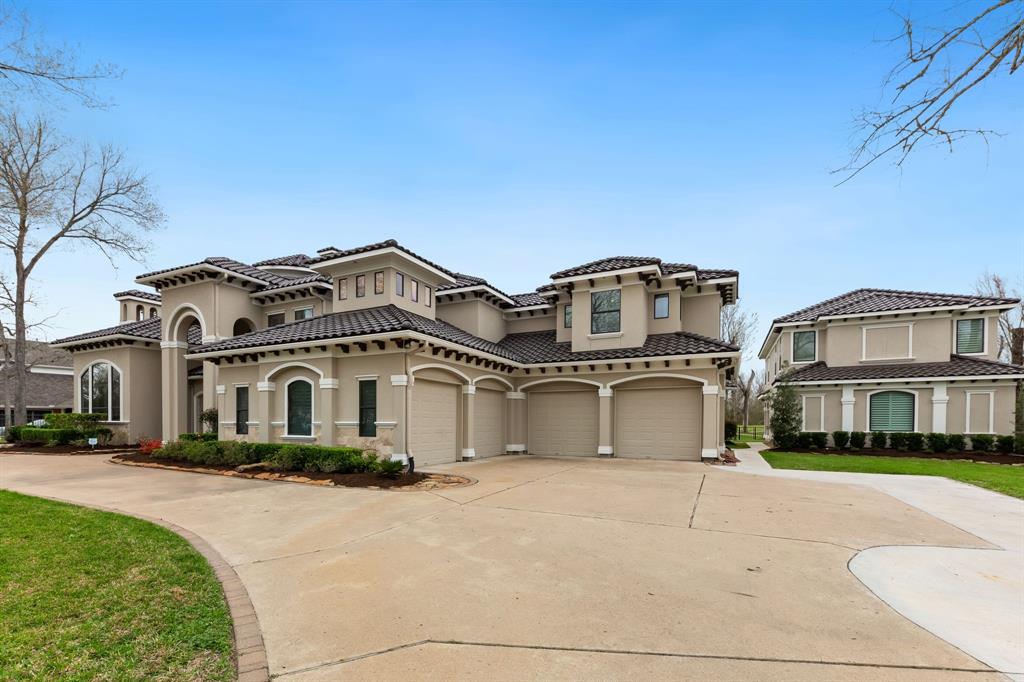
[
  {"x": 709, "y": 422},
  {"x": 940, "y": 399},
  {"x": 849, "y": 401},
  {"x": 468, "y": 423},
  {"x": 221, "y": 405},
  {"x": 265, "y": 391},
  {"x": 400, "y": 410},
  {"x": 328, "y": 390},
  {"x": 515, "y": 437},
  {"x": 174, "y": 388},
  {"x": 210, "y": 376},
  {"x": 605, "y": 447}
]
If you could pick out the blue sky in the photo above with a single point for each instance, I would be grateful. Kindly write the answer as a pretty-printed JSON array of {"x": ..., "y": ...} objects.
[{"x": 512, "y": 140}]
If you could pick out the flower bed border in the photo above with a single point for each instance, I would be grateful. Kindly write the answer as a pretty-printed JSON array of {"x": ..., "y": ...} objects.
[{"x": 966, "y": 455}]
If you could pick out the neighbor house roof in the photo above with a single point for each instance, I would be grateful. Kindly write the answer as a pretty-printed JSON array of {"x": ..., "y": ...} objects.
[
  {"x": 330, "y": 253},
  {"x": 957, "y": 366},
  {"x": 527, "y": 348},
  {"x": 42, "y": 353},
  {"x": 48, "y": 390},
  {"x": 138, "y": 293},
  {"x": 298, "y": 260},
  {"x": 867, "y": 301}
]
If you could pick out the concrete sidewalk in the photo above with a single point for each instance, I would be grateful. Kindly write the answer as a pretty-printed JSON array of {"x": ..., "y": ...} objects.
[{"x": 972, "y": 598}]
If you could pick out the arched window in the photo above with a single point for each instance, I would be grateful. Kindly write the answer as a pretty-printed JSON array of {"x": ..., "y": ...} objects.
[
  {"x": 100, "y": 391},
  {"x": 299, "y": 407},
  {"x": 140, "y": 313},
  {"x": 891, "y": 411},
  {"x": 152, "y": 312}
]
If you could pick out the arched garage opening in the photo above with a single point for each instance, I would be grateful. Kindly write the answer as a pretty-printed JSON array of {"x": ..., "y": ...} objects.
[
  {"x": 562, "y": 417},
  {"x": 657, "y": 417},
  {"x": 436, "y": 413}
]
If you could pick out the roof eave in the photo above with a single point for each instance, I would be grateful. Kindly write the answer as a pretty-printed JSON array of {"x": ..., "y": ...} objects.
[
  {"x": 383, "y": 251},
  {"x": 97, "y": 339},
  {"x": 903, "y": 380},
  {"x": 653, "y": 267}
]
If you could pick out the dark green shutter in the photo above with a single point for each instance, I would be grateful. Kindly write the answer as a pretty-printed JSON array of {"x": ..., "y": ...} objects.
[
  {"x": 300, "y": 408},
  {"x": 892, "y": 411},
  {"x": 368, "y": 409},
  {"x": 970, "y": 336}
]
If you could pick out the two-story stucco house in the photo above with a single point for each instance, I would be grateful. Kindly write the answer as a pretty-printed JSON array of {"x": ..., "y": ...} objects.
[
  {"x": 885, "y": 360},
  {"x": 378, "y": 347}
]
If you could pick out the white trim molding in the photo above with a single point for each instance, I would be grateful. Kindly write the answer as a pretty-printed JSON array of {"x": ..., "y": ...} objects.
[
  {"x": 329, "y": 383},
  {"x": 468, "y": 453},
  {"x": 515, "y": 395},
  {"x": 346, "y": 423},
  {"x": 803, "y": 410},
  {"x": 711, "y": 389},
  {"x": 709, "y": 453},
  {"x": 173, "y": 344},
  {"x": 399, "y": 379},
  {"x": 567, "y": 379},
  {"x": 991, "y": 410},
  {"x": 515, "y": 447},
  {"x": 867, "y": 405},
  {"x": 265, "y": 386},
  {"x": 891, "y": 325},
  {"x": 296, "y": 363},
  {"x": 605, "y": 392},
  {"x": 385, "y": 424},
  {"x": 221, "y": 389},
  {"x": 940, "y": 399},
  {"x": 493, "y": 377},
  {"x": 848, "y": 401},
  {"x": 468, "y": 389},
  {"x": 605, "y": 450}
]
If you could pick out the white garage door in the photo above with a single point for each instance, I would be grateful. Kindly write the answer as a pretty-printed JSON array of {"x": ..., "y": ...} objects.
[
  {"x": 434, "y": 406},
  {"x": 489, "y": 422},
  {"x": 562, "y": 423},
  {"x": 659, "y": 423}
]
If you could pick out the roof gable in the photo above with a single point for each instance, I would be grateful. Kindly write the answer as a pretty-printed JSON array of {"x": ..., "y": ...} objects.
[{"x": 868, "y": 301}]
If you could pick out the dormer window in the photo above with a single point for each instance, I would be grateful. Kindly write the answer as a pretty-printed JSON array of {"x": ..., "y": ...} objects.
[
  {"x": 606, "y": 311},
  {"x": 970, "y": 336},
  {"x": 567, "y": 317},
  {"x": 660, "y": 306},
  {"x": 414, "y": 291},
  {"x": 378, "y": 282},
  {"x": 343, "y": 288},
  {"x": 804, "y": 346},
  {"x": 399, "y": 284},
  {"x": 428, "y": 295},
  {"x": 360, "y": 286}
]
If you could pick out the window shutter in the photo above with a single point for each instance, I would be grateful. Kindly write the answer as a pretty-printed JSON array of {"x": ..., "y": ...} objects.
[
  {"x": 970, "y": 336},
  {"x": 892, "y": 411}
]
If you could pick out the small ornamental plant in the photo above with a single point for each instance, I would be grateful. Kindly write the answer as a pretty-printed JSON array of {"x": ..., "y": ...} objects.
[{"x": 147, "y": 446}]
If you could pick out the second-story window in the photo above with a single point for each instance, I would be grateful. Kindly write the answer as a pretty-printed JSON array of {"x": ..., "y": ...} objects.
[
  {"x": 303, "y": 313},
  {"x": 343, "y": 288},
  {"x": 660, "y": 306},
  {"x": 605, "y": 311},
  {"x": 567, "y": 317},
  {"x": 970, "y": 335},
  {"x": 274, "y": 319},
  {"x": 428, "y": 296},
  {"x": 378, "y": 282},
  {"x": 414, "y": 290},
  {"x": 804, "y": 346},
  {"x": 400, "y": 284},
  {"x": 360, "y": 286}
]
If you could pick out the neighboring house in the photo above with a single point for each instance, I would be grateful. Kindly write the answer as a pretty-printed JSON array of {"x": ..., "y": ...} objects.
[
  {"x": 885, "y": 360},
  {"x": 49, "y": 385},
  {"x": 377, "y": 347}
]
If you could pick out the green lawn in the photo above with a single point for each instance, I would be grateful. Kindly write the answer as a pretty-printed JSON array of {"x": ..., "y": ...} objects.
[
  {"x": 88, "y": 595},
  {"x": 1002, "y": 478}
]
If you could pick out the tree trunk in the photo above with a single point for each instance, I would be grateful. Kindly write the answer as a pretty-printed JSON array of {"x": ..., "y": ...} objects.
[
  {"x": 746, "y": 411},
  {"x": 20, "y": 412}
]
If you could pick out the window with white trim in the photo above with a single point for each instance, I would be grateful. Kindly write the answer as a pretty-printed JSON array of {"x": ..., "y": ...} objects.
[
  {"x": 414, "y": 291},
  {"x": 304, "y": 313},
  {"x": 299, "y": 410},
  {"x": 970, "y": 336},
  {"x": 428, "y": 295},
  {"x": 241, "y": 410},
  {"x": 606, "y": 311},
  {"x": 378, "y": 282},
  {"x": 100, "y": 391},
  {"x": 804, "y": 346},
  {"x": 360, "y": 286},
  {"x": 891, "y": 411},
  {"x": 343, "y": 288},
  {"x": 567, "y": 316}
]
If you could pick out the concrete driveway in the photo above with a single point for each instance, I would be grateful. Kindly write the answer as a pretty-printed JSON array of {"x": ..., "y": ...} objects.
[{"x": 550, "y": 569}]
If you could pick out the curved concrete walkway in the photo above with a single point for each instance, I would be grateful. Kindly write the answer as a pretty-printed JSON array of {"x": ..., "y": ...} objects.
[{"x": 972, "y": 598}]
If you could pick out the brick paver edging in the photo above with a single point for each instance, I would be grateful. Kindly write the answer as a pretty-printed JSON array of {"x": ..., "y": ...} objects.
[{"x": 250, "y": 654}]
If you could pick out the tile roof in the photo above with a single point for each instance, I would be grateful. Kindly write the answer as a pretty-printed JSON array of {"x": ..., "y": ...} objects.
[
  {"x": 330, "y": 253},
  {"x": 703, "y": 274},
  {"x": 42, "y": 353},
  {"x": 529, "y": 298},
  {"x": 606, "y": 265},
  {"x": 299, "y": 260},
  {"x": 528, "y": 348},
  {"x": 864, "y": 301},
  {"x": 958, "y": 366},
  {"x": 462, "y": 281},
  {"x": 145, "y": 329},
  {"x": 541, "y": 347},
  {"x": 230, "y": 265},
  {"x": 138, "y": 293},
  {"x": 296, "y": 281}
]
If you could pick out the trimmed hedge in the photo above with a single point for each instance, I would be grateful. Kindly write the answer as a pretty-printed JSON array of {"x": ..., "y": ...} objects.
[
  {"x": 911, "y": 441},
  {"x": 840, "y": 439},
  {"x": 982, "y": 442},
  {"x": 280, "y": 456},
  {"x": 1005, "y": 444},
  {"x": 38, "y": 435},
  {"x": 955, "y": 442},
  {"x": 858, "y": 439},
  {"x": 879, "y": 439}
]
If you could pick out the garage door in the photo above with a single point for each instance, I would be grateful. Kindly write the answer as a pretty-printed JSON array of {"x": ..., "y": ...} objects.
[
  {"x": 659, "y": 423},
  {"x": 562, "y": 423},
  {"x": 489, "y": 422},
  {"x": 434, "y": 406}
]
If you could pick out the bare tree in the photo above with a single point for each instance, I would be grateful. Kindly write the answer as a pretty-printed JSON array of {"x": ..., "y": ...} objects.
[
  {"x": 56, "y": 194},
  {"x": 747, "y": 387},
  {"x": 738, "y": 326},
  {"x": 31, "y": 66},
  {"x": 940, "y": 66},
  {"x": 996, "y": 286}
]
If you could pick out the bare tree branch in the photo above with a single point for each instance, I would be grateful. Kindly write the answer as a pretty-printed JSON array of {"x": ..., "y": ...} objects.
[{"x": 939, "y": 67}]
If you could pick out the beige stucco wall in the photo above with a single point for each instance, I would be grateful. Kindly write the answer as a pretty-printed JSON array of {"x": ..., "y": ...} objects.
[
  {"x": 1003, "y": 404},
  {"x": 633, "y": 317},
  {"x": 536, "y": 323},
  {"x": 702, "y": 313},
  {"x": 140, "y": 388},
  {"x": 389, "y": 264},
  {"x": 474, "y": 316}
]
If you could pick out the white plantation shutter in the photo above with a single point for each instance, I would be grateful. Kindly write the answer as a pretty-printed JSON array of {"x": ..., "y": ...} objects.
[
  {"x": 892, "y": 411},
  {"x": 970, "y": 336}
]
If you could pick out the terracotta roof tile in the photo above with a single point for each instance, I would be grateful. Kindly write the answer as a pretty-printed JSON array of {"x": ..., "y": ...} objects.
[
  {"x": 958, "y": 366},
  {"x": 864, "y": 301},
  {"x": 330, "y": 253},
  {"x": 145, "y": 329},
  {"x": 299, "y": 260},
  {"x": 138, "y": 293}
]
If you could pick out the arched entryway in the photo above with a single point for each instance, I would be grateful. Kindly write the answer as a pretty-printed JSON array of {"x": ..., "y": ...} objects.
[{"x": 183, "y": 328}]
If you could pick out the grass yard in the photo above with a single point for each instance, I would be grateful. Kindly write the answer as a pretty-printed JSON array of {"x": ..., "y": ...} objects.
[
  {"x": 1002, "y": 478},
  {"x": 89, "y": 595}
]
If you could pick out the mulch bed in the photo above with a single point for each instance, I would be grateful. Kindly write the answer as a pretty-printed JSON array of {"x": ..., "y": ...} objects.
[
  {"x": 418, "y": 481},
  {"x": 990, "y": 457}
]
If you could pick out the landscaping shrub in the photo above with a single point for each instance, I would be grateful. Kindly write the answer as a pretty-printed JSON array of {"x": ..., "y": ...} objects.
[
  {"x": 78, "y": 421},
  {"x": 819, "y": 439},
  {"x": 1004, "y": 444},
  {"x": 898, "y": 440},
  {"x": 279, "y": 456},
  {"x": 13, "y": 434},
  {"x": 148, "y": 446},
  {"x": 879, "y": 439},
  {"x": 955, "y": 442},
  {"x": 840, "y": 439},
  {"x": 803, "y": 439},
  {"x": 390, "y": 468},
  {"x": 1019, "y": 444},
  {"x": 207, "y": 437},
  {"x": 982, "y": 442},
  {"x": 36, "y": 435},
  {"x": 730, "y": 430},
  {"x": 857, "y": 439},
  {"x": 937, "y": 442},
  {"x": 915, "y": 441}
]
